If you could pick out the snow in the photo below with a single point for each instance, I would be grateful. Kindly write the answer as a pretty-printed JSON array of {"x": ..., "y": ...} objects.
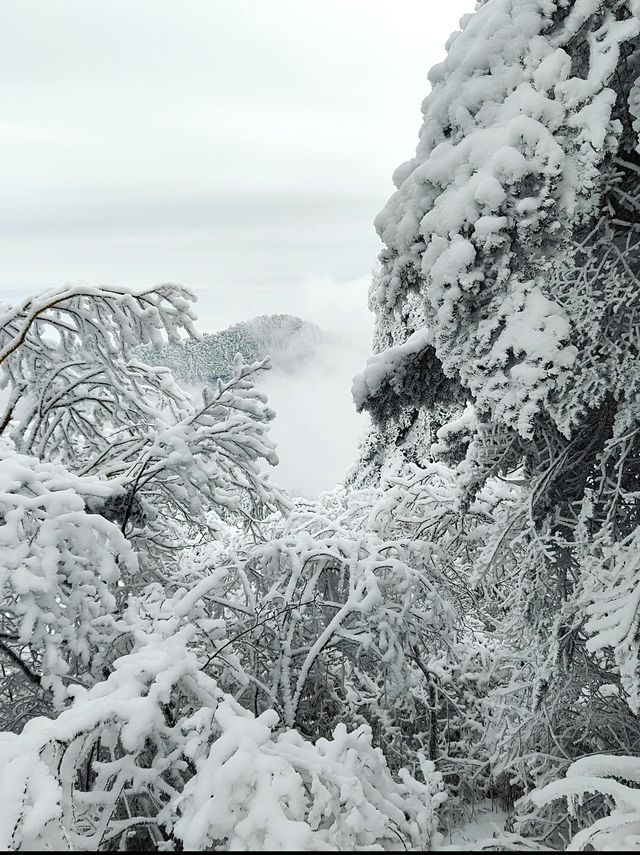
[
  {"x": 620, "y": 830},
  {"x": 389, "y": 366},
  {"x": 509, "y": 134},
  {"x": 477, "y": 833},
  {"x": 192, "y": 658}
]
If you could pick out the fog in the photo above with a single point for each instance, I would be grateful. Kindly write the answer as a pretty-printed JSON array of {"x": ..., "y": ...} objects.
[{"x": 317, "y": 428}]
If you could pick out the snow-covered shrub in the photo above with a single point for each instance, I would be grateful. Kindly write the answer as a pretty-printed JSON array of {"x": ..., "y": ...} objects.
[
  {"x": 59, "y": 572},
  {"x": 611, "y": 780},
  {"x": 255, "y": 791},
  {"x": 148, "y": 602},
  {"x": 324, "y": 609},
  {"x": 158, "y": 753},
  {"x": 358, "y": 607}
]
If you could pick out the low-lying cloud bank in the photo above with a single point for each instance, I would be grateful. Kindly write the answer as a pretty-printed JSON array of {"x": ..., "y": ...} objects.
[{"x": 317, "y": 428}]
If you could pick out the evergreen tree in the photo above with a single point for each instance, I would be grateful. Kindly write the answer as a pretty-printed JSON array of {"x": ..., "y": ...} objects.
[{"x": 508, "y": 285}]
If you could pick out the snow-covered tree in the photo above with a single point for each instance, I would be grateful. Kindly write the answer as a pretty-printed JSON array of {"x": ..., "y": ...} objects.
[
  {"x": 158, "y": 616},
  {"x": 210, "y": 358},
  {"x": 77, "y": 395},
  {"x": 507, "y": 312}
]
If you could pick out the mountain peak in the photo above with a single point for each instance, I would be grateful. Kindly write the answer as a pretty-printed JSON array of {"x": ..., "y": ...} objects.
[{"x": 286, "y": 338}]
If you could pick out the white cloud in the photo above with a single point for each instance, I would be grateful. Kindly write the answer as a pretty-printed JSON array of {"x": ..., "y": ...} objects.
[{"x": 317, "y": 428}]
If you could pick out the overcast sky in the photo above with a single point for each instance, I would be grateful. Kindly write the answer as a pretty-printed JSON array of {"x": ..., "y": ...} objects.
[{"x": 240, "y": 147}]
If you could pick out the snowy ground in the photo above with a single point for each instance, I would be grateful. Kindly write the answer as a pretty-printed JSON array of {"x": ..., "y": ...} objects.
[
  {"x": 484, "y": 831},
  {"x": 488, "y": 821}
]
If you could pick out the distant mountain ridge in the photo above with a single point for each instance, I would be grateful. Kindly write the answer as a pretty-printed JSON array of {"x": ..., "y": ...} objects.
[{"x": 286, "y": 338}]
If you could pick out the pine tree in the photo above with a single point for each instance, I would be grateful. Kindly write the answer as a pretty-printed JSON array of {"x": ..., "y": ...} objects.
[{"x": 508, "y": 285}]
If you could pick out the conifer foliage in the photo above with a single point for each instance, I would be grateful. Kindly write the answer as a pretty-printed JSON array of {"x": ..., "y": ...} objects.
[{"x": 508, "y": 291}]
